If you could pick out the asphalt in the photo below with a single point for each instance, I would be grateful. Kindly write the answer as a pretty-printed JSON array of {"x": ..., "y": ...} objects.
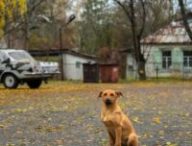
[{"x": 69, "y": 114}]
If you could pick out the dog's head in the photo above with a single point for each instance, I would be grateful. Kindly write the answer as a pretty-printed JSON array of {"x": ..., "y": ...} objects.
[{"x": 109, "y": 97}]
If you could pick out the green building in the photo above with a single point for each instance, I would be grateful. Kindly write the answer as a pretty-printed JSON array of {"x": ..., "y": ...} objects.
[{"x": 168, "y": 52}]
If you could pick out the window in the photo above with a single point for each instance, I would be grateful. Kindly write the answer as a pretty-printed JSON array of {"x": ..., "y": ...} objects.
[
  {"x": 20, "y": 55},
  {"x": 187, "y": 58},
  {"x": 78, "y": 64},
  {"x": 166, "y": 59}
]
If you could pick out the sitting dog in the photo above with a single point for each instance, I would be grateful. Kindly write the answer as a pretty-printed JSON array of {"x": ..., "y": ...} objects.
[{"x": 119, "y": 127}]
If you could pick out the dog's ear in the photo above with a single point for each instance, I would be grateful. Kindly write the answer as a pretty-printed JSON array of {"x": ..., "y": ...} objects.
[
  {"x": 119, "y": 93},
  {"x": 100, "y": 94}
]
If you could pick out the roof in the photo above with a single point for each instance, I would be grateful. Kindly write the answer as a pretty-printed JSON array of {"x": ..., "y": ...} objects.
[
  {"x": 11, "y": 50},
  {"x": 57, "y": 52},
  {"x": 76, "y": 53},
  {"x": 174, "y": 33}
]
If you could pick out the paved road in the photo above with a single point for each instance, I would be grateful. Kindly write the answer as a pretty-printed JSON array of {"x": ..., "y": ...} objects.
[{"x": 62, "y": 114}]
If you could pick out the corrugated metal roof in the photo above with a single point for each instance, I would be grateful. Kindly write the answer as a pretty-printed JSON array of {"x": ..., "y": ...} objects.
[{"x": 173, "y": 33}]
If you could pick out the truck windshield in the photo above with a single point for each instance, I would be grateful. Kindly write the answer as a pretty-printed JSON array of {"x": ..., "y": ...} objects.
[{"x": 21, "y": 56}]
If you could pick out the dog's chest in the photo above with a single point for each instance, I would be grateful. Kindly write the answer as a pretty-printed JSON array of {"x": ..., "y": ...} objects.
[
  {"x": 108, "y": 119},
  {"x": 108, "y": 122}
]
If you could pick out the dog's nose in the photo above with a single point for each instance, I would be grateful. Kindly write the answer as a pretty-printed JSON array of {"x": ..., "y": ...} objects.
[{"x": 108, "y": 102}]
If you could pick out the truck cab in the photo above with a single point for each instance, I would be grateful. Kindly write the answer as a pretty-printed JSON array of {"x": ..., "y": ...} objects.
[{"x": 18, "y": 67}]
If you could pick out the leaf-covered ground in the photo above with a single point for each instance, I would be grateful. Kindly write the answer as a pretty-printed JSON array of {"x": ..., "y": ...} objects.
[{"x": 67, "y": 114}]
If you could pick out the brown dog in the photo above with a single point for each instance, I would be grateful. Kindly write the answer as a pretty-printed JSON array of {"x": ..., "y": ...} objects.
[{"x": 119, "y": 127}]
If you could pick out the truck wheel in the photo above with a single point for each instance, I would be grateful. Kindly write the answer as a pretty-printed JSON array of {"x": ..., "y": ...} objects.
[
  {"x": 33, "y": 84},
  {"x": 10, "y": 81}
]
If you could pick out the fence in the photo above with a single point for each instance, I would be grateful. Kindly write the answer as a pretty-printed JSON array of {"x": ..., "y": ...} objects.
[
  {"x": 181, "y": 70},
  {"x": 75, "y": 71}
]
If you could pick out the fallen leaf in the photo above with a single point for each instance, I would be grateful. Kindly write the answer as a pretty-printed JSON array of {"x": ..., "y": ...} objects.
[
  {"x": 156, "y": 120},
  {"x": 136, "y": 120},
  {"x": 2, "y": 126},
  {"x": 170, "y": 144}
]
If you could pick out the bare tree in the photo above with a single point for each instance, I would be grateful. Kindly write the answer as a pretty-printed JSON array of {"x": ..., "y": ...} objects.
[
  {"x": 184, "y": 16},
  {"x": 137, "y": 19},
  {"x": 18, "y": 26}
]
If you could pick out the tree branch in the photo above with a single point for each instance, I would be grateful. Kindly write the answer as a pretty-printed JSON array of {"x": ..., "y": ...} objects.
[
  {"x": 186, "y": 25},
  {"x": 143, "y": 20},
  {"x": 20, "y": 21},
  {"x": 124, "y": 9}
]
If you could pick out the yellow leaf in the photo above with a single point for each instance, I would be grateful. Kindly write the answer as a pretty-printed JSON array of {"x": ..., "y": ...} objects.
[
  {"x": 161, "y": 132},
  {"x": 170, "y": 144},
  {"x": 2, "y": 126},
  {"x": 136, "y": 120},
  {"x": 187, "y": 114},
  {"x": 156, "y": 120}
]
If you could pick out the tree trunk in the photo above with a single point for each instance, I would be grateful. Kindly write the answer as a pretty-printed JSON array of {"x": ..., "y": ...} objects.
[
  {"x": 141, "y": 61},
  {"x": 141, "y": 70},
  {"x": 137, "y": 31}
]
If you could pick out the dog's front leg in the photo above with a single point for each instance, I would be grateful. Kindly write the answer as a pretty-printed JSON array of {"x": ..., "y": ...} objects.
[
  {"x": 118, "y": 134},
  {"x": 111, "y": 139}
]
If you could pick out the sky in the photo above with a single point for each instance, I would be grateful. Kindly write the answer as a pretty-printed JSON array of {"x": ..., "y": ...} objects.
[{"x": 75, "y": 9}]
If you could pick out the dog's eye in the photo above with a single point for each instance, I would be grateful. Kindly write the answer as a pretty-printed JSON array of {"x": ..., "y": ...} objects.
[
  {"x": 111, "y": 94},
  {"x": 105, "y": 94}
]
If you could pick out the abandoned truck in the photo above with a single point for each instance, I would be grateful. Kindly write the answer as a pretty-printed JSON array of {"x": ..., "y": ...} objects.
[{"x": 19, "y": 67}]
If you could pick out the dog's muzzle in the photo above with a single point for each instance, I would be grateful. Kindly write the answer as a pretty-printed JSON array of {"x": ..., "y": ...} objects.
[{"x": 108, "y": 102}]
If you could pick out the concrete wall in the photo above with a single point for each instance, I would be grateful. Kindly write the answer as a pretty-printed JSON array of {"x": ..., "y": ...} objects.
[
  {"x": 154, "y": 61},
  {"x": 153, "y": 67},
  {"x": 73, "y": 66},
  {"x": 131, "y": 67}
]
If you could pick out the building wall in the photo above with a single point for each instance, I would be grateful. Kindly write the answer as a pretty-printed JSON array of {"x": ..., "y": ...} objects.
[
  {"x": 154, "y": 62},
  {"x": 131, "y": 67},
  {"x": 73, "y": 66},
  {"x": 154, "y": 65}
]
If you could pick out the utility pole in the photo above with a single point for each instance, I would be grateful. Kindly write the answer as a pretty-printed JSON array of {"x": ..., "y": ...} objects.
[{"x": 71, "y": 18}]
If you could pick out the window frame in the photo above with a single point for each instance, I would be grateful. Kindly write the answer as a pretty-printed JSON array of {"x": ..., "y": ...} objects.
[
  {"x": 166, "y": 59},
  {"x": 78, "y": 64},
  {"x": 187, "y": 59}
]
